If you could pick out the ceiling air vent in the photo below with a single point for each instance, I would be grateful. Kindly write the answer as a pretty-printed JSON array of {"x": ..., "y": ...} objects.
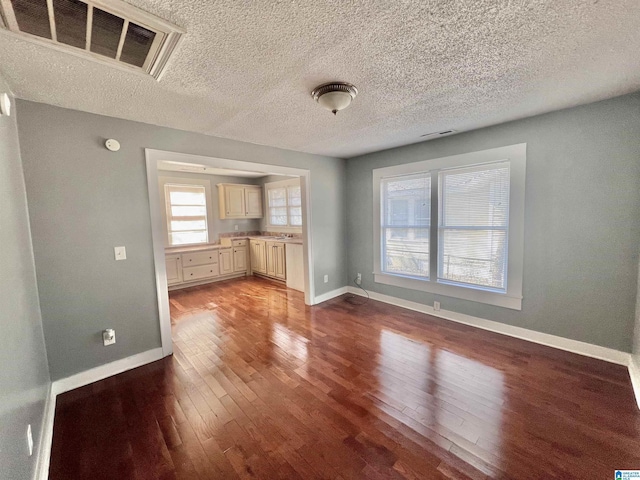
[
  {"x": 430, "y": 136},
  {"x": 108, "y": 31}
]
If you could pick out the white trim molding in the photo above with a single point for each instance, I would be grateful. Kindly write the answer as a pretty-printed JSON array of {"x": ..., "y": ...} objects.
[
  {"x": 107, "y": 370},
  {"x": 634, "y": 374},
  {"x": 329, "y": 295},
  {"x": 46, "y": 437},
  {"x": 574, "y": 346}
]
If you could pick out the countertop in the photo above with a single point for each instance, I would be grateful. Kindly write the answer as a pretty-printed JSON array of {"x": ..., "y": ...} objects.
[{"x": 211, "y": 246}]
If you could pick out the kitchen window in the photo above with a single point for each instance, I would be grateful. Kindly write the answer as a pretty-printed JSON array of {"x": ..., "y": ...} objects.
[
  {"x": 284, "y": 204},
  {"x": 186, "y": 212},
  {"x": 453, "y": 226}
]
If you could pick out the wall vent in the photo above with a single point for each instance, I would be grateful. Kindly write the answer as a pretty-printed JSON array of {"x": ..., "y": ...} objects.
[
  {"x": 108, "y": 31},
  {"x": 444, "y": 133}
]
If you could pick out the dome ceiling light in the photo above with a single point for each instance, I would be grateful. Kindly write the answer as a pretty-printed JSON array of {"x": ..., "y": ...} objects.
[{"x": 334, "y": 96}]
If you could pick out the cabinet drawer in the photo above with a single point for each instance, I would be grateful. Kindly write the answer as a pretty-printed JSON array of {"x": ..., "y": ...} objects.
[
  {"x": 197, "y": 273},
  {"x": 239, "y": 243},
  {"x": 199, "y": 258}
]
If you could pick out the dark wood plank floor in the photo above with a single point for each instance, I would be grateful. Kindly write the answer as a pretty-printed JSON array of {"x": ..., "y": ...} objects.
[{"x": 261, "y": 386}]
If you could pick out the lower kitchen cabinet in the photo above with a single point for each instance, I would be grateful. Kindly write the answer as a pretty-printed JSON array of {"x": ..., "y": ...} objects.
[
  {"x": 226, "y": 261},
  {"x": 174, "y": 269},
  {"x": 268, "y": 258},
  {"x": 239, "y": 259},
  {"x": 186, "y": 268},
  {"x": 258, "y": 256},
  {"x": 276, "y": 263}
]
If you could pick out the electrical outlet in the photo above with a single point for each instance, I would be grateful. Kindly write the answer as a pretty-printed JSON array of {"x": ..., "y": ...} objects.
[
  {"x": 29, "y": 440},
  {"x": 108, "y": 336},
  {"x": 235, "y": 227},
  {"x": 359, "y": 279},
  {"x": 436, "y": 306},
  {"x": 326, "y": 279},
  {"x": 121, "y": 253}
]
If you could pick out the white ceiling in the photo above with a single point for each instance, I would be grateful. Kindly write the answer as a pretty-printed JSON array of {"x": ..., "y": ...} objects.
[{"x": 245, "y": 70}]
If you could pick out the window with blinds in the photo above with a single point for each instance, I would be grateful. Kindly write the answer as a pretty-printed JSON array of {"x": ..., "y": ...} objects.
[
  {"x": 453, "y": 226},
  {"x": 186, "y": 214},
  {"x": 277, "y": 199},
  {"x": 284, "y": 204},
  {"x": 473, "y": 226},
  {"x": 294, "y": 205},
  {"x": 406, "y": 223}
]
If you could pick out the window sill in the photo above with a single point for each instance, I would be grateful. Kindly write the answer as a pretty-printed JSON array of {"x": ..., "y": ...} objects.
[
  {"x": 475, "y": 295},
  {"x": 282, "y": 228}
]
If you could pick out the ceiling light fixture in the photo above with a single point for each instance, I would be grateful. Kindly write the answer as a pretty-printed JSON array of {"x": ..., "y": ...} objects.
[{"x": 334, "y": 96}]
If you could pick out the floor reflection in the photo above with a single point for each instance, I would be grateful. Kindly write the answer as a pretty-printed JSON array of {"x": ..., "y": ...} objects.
[
  {"x": 442, "y": 395},
  {"x": 289, "y": 341}
]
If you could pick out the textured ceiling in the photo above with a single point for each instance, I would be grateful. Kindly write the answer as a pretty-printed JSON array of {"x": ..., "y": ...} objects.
[{"x": 245, "y": 68}]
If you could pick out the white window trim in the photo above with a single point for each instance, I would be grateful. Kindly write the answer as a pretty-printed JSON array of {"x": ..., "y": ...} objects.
[
  {"x": 294, "y": 182},
  {"x": 162, "y": 181},
  {"x": 516, "y": 155}
]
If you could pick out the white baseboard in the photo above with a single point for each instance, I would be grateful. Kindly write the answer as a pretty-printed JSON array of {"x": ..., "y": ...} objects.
[
  {"x": 103, "y": 371},
  {"x": 575, "y": 346},
  {"x": 329, "y": 295},
  {"x": 634, "y": 373},
  {"x": 46, "y": 437}
]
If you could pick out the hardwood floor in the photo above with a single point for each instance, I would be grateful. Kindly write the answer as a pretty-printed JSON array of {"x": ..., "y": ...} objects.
[{"x": 261, "y": 386}]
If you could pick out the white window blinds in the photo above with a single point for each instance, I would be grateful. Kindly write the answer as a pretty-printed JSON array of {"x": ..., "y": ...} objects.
[
  {"x": 295, "y": 206},
  {"x": 277, "y": 198},
  {"x": 186, "y": 214},
  {"x": 284, "y": 204},
  {"x": 473, "y": 226},
  {"x": 406, "y": 221}
]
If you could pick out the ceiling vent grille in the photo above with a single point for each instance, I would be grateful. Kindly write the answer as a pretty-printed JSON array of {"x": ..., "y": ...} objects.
[
  {"x": 444, "y": 133},
  {"x": 108, "y": 31}
]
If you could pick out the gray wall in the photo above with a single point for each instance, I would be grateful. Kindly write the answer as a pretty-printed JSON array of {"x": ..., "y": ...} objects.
[
  {"x": 24, "y": 376},
  {"x": 581, "y": 219},
  {"x": 217, "y": 226},
  {"x": 84, "y": 200}
]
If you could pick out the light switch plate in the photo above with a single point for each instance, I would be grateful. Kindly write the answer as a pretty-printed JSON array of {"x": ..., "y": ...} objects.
[{"x": 121, "y": 253}]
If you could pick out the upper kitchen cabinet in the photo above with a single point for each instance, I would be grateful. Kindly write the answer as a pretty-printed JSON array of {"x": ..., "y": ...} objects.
[{"x": 239, "y": 201}]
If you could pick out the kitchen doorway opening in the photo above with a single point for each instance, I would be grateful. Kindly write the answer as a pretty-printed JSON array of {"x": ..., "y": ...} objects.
[{"x": 216, "y": 219}]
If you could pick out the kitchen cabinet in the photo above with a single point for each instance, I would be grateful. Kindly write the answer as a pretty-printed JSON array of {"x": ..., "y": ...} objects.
[
  {"x": 258, "y": 256},
  {"x": 191, "y": 274},
  {"x": 276, "y": 262},
  {"x": 204, "y": 266},
  {"x": 239, "y": 255},
  {"x": 174, "y": 269},
  {"x": 239, "y": 201},
  {"x": 226, "y": 261}
]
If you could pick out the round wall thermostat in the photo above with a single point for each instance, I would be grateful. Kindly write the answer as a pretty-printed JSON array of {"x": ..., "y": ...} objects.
[
  {"x": 112, "y": 145},
  {"x": 5, "y": 104}
]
